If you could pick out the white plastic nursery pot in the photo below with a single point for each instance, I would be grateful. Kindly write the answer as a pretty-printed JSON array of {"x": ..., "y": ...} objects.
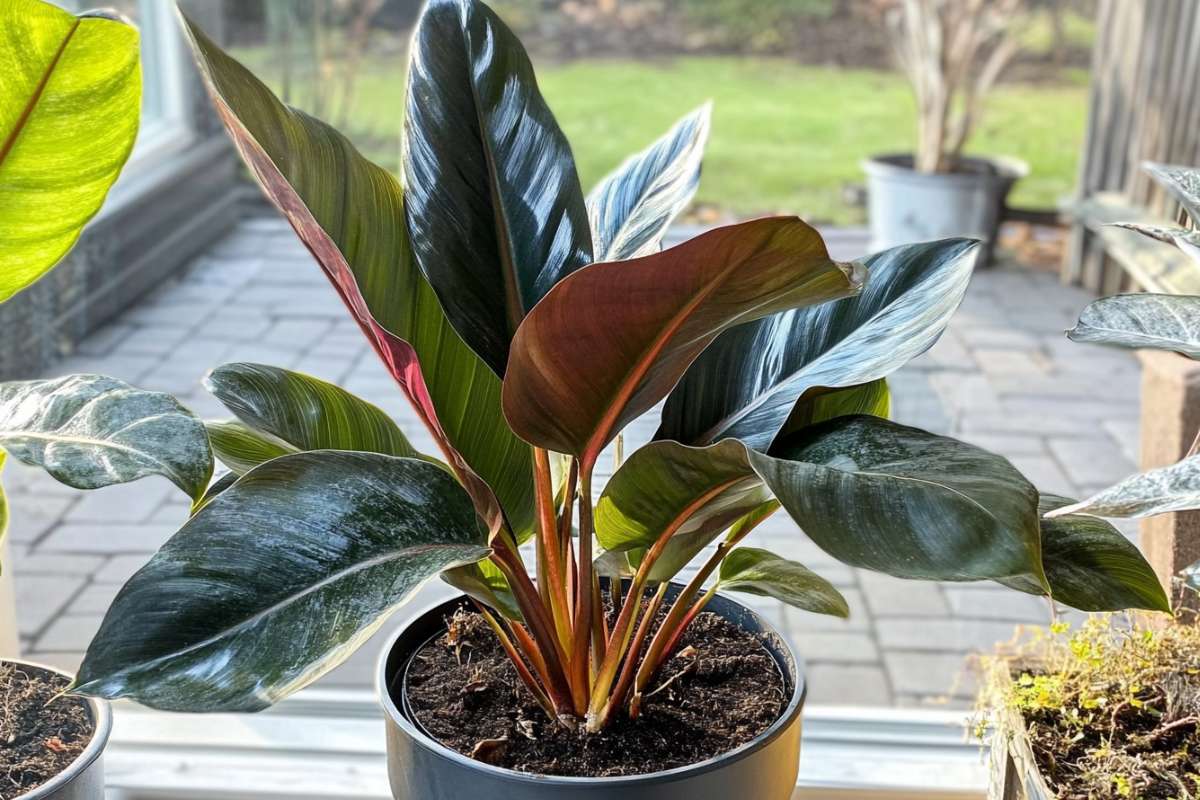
[
  {"x": 906, "y": 206},
  {"x": 84, "y": 778},
  {"x": 420, "y": 768}
]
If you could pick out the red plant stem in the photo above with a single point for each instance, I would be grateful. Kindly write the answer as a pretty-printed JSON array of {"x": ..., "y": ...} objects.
[
  {"x": 528, "y": 646},
  {"x": 522, "y": 670},
  {"x": 631, "y": 659},
  {"x": 624, "y": 625},
  {"x": 635, "y": 703},
  {"x": 599, "y": 626},
  {"x": 541, "y": 627},
  {"x": 566, "y": 540},
  {"x": 680, "y": 617},
  {"x": 550, "y": 572},
  {"x": 580, "y": 668}
]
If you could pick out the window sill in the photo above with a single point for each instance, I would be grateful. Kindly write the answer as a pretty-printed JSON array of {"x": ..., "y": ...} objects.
[{"x": 326, "y": 745}]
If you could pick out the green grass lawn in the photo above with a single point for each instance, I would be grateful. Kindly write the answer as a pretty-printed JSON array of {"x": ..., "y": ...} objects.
[{"x": 786, "y": 137}]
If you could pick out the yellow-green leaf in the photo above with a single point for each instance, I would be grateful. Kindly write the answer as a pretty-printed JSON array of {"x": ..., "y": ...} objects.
[{"x": 70, "y": 97}]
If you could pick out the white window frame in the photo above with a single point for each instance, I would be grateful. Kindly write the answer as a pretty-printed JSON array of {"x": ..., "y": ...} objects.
[
  {"x": 329, "y": 745},
  {"x": 170, "y": 133}
]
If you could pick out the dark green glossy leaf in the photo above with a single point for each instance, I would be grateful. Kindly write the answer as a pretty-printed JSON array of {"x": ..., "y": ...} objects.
[
  {"x": 1142, "y": 321},
  {"x": 762, "y": 573},
  {"x": 240, "y": 447},
  {"x": 632, "y": 208},
  {"x": 1091, "y": 566},
  {"x": 609, "y": 341},
  {"x": 745, "y": 385},
  {"x": 869, "y": 492},
  {"x": 70, "y": 101},
  {"x": 90, "y": 431},
  {"x": 494, "y": 205},
  {"x": 905, "y": 502},
  {"x": 665, "y": 485},
  {"x": 278, "y": 580},
  {"x": 304, "y": 412},
  {"x": 1156, "y": 491},
  {"x": 822, "y": 405},
  {"x": 350, "y": 213}
]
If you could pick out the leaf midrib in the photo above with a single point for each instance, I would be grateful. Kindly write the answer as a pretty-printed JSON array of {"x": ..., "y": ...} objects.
[
  {"x": 88, "y": 440},
  {"x": 36, "y": 97},
  {"x": 283, "y": 603}
]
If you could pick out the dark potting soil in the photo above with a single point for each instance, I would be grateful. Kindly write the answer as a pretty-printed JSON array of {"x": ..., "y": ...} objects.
[
  {"x": 38, "y": 738},
  {"x": 722, "y": 689}
]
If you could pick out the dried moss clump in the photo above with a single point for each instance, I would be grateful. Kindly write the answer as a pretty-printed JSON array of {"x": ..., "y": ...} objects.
[{"x": 1111, "y": 710}]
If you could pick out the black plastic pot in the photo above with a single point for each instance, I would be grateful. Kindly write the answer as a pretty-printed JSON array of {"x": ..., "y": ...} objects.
[
  {"x": 422, "y": 769},
  {"x": 84, "y": 778}
]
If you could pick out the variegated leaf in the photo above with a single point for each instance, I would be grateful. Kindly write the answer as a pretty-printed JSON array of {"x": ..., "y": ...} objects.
[
  {"x": 747, "y": 382},
  {"x": 632, "y": 208},
  {"x": 1142, "y": 321},
  {"x": 1157, "y": 491},
  {"x": 90, "y": 431}
]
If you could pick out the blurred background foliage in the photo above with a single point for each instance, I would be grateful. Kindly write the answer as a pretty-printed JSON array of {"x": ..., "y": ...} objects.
[{"x": 803, "y": 89}]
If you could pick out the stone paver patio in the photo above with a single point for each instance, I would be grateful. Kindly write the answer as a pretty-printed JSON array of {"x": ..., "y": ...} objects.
[{"x": 1002, "y": 377}]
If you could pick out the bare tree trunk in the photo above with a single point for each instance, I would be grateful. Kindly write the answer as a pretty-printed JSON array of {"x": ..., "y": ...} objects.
[{"x": 358, "y": 36}]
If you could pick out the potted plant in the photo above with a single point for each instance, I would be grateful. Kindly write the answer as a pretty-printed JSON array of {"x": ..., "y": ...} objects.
[
  {"x": 70, "y": 101},
  {"x": 528, "y": 325},
  {"x": 952, "y": 52},
  {"x": 1110, "y": 711}
]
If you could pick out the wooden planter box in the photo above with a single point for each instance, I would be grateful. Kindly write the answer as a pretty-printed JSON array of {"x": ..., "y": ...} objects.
[{"x": 1014, "y": 771}]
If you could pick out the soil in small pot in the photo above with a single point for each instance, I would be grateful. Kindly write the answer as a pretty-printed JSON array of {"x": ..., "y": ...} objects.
[
  {"x": 720, "y": 690},
  {"x": 39, "y": 735}
]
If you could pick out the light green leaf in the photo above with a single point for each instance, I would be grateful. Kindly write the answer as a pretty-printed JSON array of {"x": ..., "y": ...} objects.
[
  {"x": 483, "y": 581},
  {"x": 762, "y": 573},
  {"x": 822, "y": 405},
  {"x": 70, "y": 99},
  {"x": 240, "y": 447},
  {"x": 90, "y": 431},
  {"x": 278, "y": 580}
]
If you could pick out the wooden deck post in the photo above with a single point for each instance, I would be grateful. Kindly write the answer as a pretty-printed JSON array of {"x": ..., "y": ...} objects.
[{"x": 1170, "y": 421}]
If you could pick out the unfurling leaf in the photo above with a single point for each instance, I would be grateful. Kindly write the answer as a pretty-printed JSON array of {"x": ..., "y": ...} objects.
[
  {"x": 350, "y": 214},
  {"x": 494, "y": 205},
  {"x": 632, "y": 208},
  {"x": 70, "y": 101},
  {"x": 609, "y": 341},
  {"x": 1142, "y": 321},
  {"x": 761, "y": 572},
  {"x": 747, "y": 382},
  {"x": 90, "y": 431},
  {"x": 1091, "y": 566},
  {"x": 1156, "y": 491},
  {"x": 278, "y": 580}
]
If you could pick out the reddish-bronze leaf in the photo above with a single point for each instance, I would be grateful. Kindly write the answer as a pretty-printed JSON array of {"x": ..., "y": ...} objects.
[{"x": 609, "y": 341}]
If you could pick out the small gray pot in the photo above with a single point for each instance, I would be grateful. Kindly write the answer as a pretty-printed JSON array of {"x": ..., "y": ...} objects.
[
  {"x": 906, "y": 206},
  {"x": 84, "y": 778},
  {"x": 422, "y": 769}
]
